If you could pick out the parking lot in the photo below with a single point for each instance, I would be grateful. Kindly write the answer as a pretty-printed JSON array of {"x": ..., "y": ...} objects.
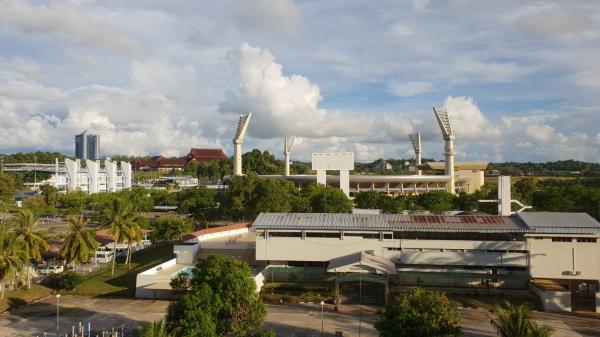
[{"x": 299, "y": 321}]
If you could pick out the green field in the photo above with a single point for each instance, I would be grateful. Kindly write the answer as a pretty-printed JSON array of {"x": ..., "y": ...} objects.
[
  {"x": 19, "y": 297},
  {"x": 101, "y": 283}
]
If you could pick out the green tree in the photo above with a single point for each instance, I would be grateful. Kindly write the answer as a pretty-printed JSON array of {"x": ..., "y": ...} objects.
[
  {"x": 50, "y": 195},
  {"x": 515, "y": 321},
  {"x": 201, "y": 203},
  {"x": 222, "y": 301},
  {"x": 79, "y": 243},
  {"x": 13, "y": 256},
  {"x": 261, "y": 162},
  {"x": 8, "y": 187},
  {"x": 419, "y": 313},
  {"x": 171, "y": 227},
  {"x": 436, "y": 201},
  {"x": 154, "y": 329},
  {"x": 271, "y": 195},
  {"x": 327, "y": 199},
  {"x": 25, "y": 228},
  {"x": 466, "y": 202},
  {"x": 73, "y": 202},
  {"x": 117, "y": 222},
  {"x": 368, "y": 200}
]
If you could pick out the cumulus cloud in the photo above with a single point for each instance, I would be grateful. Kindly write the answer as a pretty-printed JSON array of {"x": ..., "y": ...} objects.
[
  {"x": 468, "y": 121},
  {"x": 65, "y": 22}
]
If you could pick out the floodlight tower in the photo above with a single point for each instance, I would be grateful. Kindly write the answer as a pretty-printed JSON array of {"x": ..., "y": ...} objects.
[
  {"x": 240, "y": 134},
  {"x": 415, "y": 139},
  {"x": 448, "y": 134},
  {"x": 287, "y": 149}
]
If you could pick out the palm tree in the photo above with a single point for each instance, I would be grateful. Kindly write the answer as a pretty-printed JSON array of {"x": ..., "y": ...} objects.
[
  {"x": 134, "y": 233},
  {"x": 79, "y": 244},
  {"x": 117, "y": 215},
  {"x": 13, "y": 255},
  {"x": 515, "y": 321},
  {"x": 154, "y": 329},
  {"x": 26, "y": 223}
]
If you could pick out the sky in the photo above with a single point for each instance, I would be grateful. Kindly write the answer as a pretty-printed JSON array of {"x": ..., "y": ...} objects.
[{"x": 519, "y": 79}]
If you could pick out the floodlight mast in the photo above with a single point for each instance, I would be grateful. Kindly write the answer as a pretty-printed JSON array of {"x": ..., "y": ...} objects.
[
  {"x": 287, "y": 150},
  {"x": 240, "y": 134},
  {"x": 448, "y": 134},
  {"x": 415, "y": 139}
]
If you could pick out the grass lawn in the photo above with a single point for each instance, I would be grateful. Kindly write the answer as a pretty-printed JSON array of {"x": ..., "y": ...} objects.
[
  {"x": 19, "y": 297},
  {"x": 101, "y": 283}
]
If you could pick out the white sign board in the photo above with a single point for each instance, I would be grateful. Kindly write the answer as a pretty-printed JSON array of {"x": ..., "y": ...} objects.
[{"x": 333, "y": 161}]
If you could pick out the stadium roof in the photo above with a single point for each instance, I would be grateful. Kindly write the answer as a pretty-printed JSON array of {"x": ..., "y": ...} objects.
[
  {"x": 389, "y": 222},
  {"x": 440, "y": 165},
  {"x": 558, "y": 222}
]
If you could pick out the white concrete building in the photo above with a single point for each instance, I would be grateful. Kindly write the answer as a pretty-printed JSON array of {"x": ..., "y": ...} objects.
[
  {"x": 558, "y": 252},
  {"x": 93, "y": 178}
]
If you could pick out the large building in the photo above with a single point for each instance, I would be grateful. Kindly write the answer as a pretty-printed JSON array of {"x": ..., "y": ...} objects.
[
  {"x": 93, "y": 178},
  {"x": 556, "y": 255},
  {"x": 197, "y": 156},
  {"x": 87, "y": 146}
]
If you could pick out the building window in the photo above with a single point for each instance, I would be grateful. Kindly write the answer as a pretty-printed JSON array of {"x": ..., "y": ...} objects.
[
  {"x": 586, "y": 239},
  {"x": 335, "y": 235},
  {"x": 393, "y": 248},
  {"x": 561, "y": 239},
  {"x": 388, "y": 236},
  {"x": 364, "y": 235},
  {"x": 285, "y": 234}
]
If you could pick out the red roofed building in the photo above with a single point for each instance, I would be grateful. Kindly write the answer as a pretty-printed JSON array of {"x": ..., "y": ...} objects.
[
  {"x": 160, "y": 163},
  {"x": 205, "y": 155}
]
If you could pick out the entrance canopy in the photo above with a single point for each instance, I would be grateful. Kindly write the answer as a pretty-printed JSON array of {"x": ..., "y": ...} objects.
[{"x": 361, "y": 262}]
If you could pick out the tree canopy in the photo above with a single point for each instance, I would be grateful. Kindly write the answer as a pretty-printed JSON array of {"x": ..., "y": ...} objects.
[
  {"x": 419, "y": 313},
  {"x": 222, "y": 301}
]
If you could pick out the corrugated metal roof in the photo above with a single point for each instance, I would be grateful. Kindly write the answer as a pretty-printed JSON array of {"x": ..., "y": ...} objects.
[
  {"x": 389, "y": 222},
  {"x": 557, "y": 222}
]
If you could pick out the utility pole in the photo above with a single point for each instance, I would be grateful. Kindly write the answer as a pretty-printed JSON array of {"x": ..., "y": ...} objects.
[
  {"x": 57, "y": 313},
  {"x": 359, "y": 303}
]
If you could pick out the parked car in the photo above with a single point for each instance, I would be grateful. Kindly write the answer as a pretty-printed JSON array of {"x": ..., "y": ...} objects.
[{"x": 51, "y": 270}]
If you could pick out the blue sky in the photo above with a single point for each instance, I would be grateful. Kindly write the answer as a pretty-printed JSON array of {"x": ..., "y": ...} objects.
[{"x": 520, "y": 79}]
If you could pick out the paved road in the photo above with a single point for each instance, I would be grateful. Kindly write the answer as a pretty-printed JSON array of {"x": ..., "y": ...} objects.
[{"x": 301, "y": 321}]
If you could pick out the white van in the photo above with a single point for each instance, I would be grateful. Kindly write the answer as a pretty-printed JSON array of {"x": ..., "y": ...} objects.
[
  {"x": 104, "y": 256},
  {"x": 51, "y": 270}
]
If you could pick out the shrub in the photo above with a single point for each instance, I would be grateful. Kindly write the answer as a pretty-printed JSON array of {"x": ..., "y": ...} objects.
[{"x": 64, "y": 281}]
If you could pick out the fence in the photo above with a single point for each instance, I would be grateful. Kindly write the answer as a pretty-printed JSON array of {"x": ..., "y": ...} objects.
[
  {"x": 294, "y": 274},
  {"x": 452, "y": 279}
]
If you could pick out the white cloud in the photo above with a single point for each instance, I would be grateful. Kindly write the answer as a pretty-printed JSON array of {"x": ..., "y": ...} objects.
[
  {"x": 410, "y": 88},
  {"x": 65, "y": 22},
  {"x": 265, "y": 16},
  {"x": 468, "y": 121}
]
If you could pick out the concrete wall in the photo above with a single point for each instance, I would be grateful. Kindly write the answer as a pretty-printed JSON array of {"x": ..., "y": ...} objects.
[
  {"x": 556, "y": 259},
  {"x": 152, "y": 276},
  {"x": 259, "y": 279},
  {"x": 325, "y": 249},
  {"x": 186, "y": 254},
  {"x": 553, "y": 300}
]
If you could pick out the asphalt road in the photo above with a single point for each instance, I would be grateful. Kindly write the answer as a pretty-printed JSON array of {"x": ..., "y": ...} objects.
[{"x": 298, "y": 321}]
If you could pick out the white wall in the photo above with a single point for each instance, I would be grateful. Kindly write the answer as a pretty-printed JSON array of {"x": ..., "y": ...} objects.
[
  {"x": 553, "y": 300},
  {"x": 554, "y": 259},
  {"x": 325, "y": 249},
  {"x": 152, "y": 276},
  {"x": 186, "y": 254}
]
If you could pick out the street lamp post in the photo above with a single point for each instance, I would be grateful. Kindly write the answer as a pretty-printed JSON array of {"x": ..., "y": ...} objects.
[
  {"x": 57, "y": 313},
  {"x": 322, "y": 306}
]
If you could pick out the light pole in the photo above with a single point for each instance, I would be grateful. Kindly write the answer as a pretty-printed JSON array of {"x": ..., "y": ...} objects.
[
  {"x": 57, "y": 313},
  {"x": 322, "y": 306}
]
